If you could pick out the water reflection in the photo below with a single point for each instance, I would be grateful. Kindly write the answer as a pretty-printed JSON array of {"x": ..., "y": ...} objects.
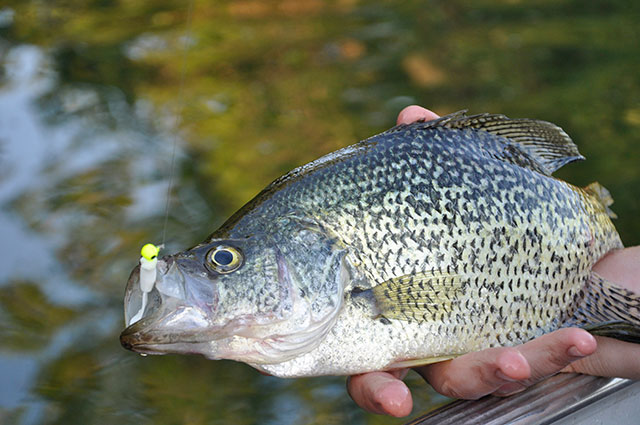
[{"x": 87, "y": 126}]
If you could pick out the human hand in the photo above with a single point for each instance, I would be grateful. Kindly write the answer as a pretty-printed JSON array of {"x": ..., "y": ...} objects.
[{"x": 506, "y": 370}]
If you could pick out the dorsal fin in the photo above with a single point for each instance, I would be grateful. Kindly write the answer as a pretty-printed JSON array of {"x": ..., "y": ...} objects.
[{"x": 546, "y": 143}]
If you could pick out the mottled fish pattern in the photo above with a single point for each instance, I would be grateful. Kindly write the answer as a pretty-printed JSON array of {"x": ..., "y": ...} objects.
[{"x": 448, "y": 236}]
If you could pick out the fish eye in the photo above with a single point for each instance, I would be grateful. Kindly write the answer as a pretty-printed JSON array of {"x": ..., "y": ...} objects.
[{"x": 224, "y": 259}]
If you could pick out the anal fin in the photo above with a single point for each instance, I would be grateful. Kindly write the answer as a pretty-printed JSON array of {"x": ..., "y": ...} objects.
[
  {"x": 619, "y": 330},
  {"x": 608, "y": 310},
  {"x": 421, "y": 362}
]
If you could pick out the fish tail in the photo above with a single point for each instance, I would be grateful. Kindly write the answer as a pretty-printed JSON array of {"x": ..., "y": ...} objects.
[{"x": 607, "y": 309}]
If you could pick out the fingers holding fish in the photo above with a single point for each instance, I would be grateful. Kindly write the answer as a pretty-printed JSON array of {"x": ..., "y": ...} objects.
[
  {"x": 383, "y": 393},
  {"x": 551, "y": 353},
  {"x": 506, "y": 370},
  {"x": 477, "y": 374},
  {"x": 612, "y": 358}
]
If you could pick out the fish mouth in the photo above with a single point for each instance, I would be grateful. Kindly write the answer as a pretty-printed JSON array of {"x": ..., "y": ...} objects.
[{"x": 173, "y": 316}]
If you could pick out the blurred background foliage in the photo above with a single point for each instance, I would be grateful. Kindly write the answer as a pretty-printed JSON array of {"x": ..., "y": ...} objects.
[{"x": 246, "y": 90}]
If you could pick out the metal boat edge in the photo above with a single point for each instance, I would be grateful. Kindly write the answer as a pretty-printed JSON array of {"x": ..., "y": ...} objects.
[{"x": 562, "y": 399}]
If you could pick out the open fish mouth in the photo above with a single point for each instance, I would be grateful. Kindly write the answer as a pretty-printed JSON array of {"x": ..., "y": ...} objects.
[
  {"x": 137, "y": 303},
  {"x": 167, "y": 318}
]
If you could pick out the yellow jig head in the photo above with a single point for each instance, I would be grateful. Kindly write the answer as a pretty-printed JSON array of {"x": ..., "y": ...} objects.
[
  {"x": 148, "y": 263},
  {"x": 150, "y": 251}
]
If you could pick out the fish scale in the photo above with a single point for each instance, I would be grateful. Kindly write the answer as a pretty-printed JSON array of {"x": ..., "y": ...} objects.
[
  {"x": 381, "y": 247},
  {"x": 416, "y": 245}
]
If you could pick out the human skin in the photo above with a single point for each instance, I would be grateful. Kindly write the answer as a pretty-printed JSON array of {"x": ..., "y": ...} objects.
[{"x": 503, "y": 371}]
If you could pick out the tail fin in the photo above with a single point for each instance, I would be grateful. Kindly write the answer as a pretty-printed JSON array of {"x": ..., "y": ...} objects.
[{"x": 608, "y": 310}]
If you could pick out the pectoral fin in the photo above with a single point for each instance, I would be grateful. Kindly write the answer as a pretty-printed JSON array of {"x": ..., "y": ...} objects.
[{"x": 422, "y": 297}]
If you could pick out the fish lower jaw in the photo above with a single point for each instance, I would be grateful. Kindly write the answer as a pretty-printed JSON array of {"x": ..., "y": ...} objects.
[
  {"x": 175, "y": 348},
  {"x": 148, "y": 350},
  {"x": 247, "y": 350}
]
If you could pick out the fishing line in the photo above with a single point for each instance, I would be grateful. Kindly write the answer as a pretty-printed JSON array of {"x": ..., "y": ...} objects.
[
  {"x": 149, "y": 252},
  {"x": 178, "y": 114}
]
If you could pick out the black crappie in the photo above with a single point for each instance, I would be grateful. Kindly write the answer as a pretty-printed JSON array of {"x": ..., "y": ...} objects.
[{"x": 422, "y": 243}]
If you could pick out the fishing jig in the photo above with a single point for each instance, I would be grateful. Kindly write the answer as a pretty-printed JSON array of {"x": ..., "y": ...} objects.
[{"x": 148, "y": 272}]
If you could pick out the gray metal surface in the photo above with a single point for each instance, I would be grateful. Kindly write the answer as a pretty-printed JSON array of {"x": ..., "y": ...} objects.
[{"x": 562, "y": 399}]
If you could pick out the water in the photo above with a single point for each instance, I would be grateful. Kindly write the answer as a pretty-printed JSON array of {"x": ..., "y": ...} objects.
[{"x": 88, "y": 101}]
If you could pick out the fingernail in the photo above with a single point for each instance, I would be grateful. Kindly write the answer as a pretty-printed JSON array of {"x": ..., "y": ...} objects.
[
  {"x": 504, "y": 377},
  {"x": 573, "y": 351}
]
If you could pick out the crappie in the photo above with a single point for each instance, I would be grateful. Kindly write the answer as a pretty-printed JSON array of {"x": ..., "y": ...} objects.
[{"x": 422, "y": 243}]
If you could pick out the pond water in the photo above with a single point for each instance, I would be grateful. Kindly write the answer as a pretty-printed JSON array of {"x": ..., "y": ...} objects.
[{"x": 95, "y": 95}]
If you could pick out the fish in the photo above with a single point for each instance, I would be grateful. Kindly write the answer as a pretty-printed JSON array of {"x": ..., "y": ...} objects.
[{"x": 417, "y": 245}]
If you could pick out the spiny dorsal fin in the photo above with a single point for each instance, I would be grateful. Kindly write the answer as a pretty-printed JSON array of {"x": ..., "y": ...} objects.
[
  {"x": 426, "y": 296},
  {"x": 546, "y": 143},
  {"x": 602, "y": 195}
]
